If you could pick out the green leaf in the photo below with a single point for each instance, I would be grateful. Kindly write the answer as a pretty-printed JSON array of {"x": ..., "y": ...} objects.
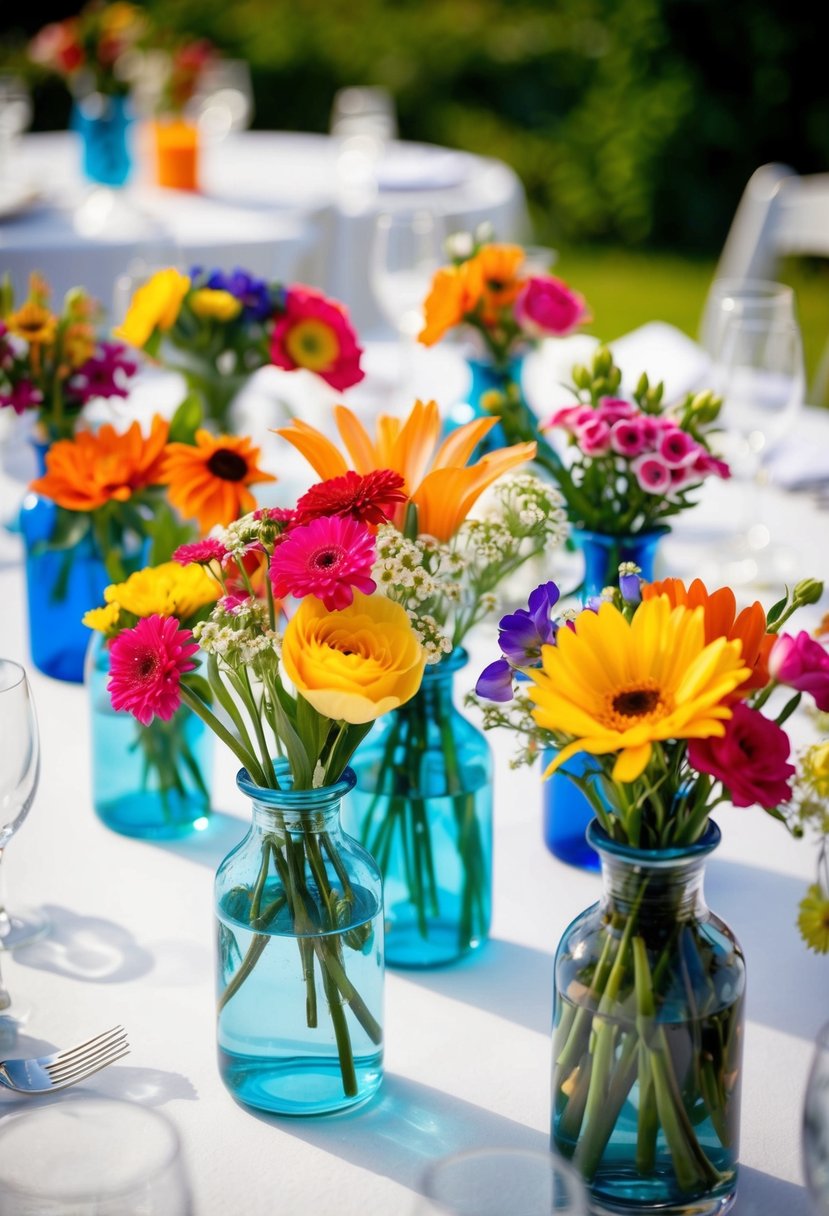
[
  {"x": 776, "y": 609},
  {"x": 201, "y": 687},
  {"x": 166, "y": 532},
  {"x": 186, "y": 420},
  {"x": 301, "y": 767},
  {"x": 311, "y": 727},
  {"x": 789, "y": 708}
]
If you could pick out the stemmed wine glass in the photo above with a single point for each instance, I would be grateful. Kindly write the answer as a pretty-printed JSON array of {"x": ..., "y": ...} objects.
[
  {"x": 816, "y": 1126},
  {"x": 19, "y": 772},
  {"x": 757, "y": 368},
  {"x": 405, "y": 253}
]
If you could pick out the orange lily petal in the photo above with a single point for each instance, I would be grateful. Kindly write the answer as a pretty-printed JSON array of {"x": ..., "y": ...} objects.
[
  {"x": 357, "y": 440},
  {"x": 459, "y": 446},
  {"x": 320, "y": 452}
]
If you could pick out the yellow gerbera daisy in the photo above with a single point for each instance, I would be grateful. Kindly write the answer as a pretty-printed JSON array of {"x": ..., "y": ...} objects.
[
  {"x": 168, "y": 589},
  {"x": 620, "y": 686},
  {"x": 813, "y": 920}
]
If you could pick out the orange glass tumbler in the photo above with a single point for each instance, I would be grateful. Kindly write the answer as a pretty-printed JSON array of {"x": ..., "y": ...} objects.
[{"x": 176, "y": 154}]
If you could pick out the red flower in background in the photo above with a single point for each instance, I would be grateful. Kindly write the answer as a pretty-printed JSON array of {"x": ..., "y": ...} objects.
[
  {"x": 751, "y": 759},
  {"x": 371, "y": 499},
  {"x": 315, "y": 333}
]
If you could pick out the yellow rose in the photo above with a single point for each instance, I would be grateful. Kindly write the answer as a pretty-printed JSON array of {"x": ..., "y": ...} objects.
[
  {"x": 155, "y": 305},
  {"x": 220, "y": 305},
  {"x": 356, "y": 664}
]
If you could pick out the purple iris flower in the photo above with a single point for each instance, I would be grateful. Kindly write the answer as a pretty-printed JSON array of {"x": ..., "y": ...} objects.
[
  {"x": 521, "y": 635},
  {"x": 254, "y": 294},
  {"x": 630, "y": 586}
]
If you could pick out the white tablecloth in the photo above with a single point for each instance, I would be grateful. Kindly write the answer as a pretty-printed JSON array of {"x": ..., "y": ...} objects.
[
  {"x": 468, "y": 1051},
  {"x": 275, "y": 203}
]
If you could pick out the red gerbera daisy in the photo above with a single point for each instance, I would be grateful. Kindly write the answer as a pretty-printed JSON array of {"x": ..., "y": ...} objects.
[
  {"x": 146, "y": 665},
  {"x": 370, "y": 499},
  {"x": 327, "y": 558}
]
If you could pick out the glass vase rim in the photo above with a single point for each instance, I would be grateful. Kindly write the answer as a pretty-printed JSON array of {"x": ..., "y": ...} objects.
[
  {"x": 457, "y": 658},
  {"x": 488, "y": 362},
  {"x": 295, "y": 800},
  {"x": 617, "y": 537},
  {"x": 605, "y": 846}
]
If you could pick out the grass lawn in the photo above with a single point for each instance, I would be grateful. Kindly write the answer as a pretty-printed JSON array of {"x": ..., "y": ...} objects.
[{"x": 627, "y": 288}]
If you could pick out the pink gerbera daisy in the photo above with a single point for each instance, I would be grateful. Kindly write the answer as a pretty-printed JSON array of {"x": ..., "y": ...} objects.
[
  {"x": 201, "y": 552},
  {"x": 327, "y": 558},
  {"x": 146, "y": 665},
  {"x": 315, "y": 333}
]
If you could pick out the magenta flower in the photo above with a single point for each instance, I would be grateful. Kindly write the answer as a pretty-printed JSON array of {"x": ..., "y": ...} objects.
[
  {"x": 201, "y": 552},
  {"x": 546, "y": 305},
  {"x": 23, "y": 396},
  {"x": 751, "y": 759},
  {"x": 706, "y": 464},
  {"x": 593, "y": 437},
  {"x": 652, "y": 473},
  {"x": 802, "y": 664},
  {"x": 677, "y": 448},
  {"x": 628, "y": 436},
  {"x": 146, "y": 664},
  {"x": 327, "y": 558},
  {"x": 105, "y": 374},
  {"x": 614, "y": 409},
  {"x": 571, "y": 417}
]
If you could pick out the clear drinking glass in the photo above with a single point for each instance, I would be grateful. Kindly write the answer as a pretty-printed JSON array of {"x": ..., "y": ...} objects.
[
  {"x": 751, "y": 299},
  {"x": 405, "y": 253},
  {"x": 15, "y": 116},
  {"x": 224, "y": 100},
  {"x": 816, "y": 1126},
  {"x": 757, "y": 367},
  {"x": 19, "y": 773},
  {"x": 501, "y": 1182},
  {"x": 90, "y": 1156}
]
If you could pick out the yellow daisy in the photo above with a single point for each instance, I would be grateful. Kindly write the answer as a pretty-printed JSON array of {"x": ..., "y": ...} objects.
[
  {"x": 104, "y": 620},
  {"x": 813, "y": 920},
  {"x": 620, "y": 686}
]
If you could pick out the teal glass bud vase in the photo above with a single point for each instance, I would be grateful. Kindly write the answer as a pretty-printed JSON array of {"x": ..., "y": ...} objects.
[
  {"x": 422, "y": 806},
  {"x": 648, "y": 1035},
  {"x": 566, "y": 810},
  {"x": 299, "y": 974},
  {"x": 152, "y": 781},
  {"x": 490, "y": 385},
  {"x": 102, "y": 122}
]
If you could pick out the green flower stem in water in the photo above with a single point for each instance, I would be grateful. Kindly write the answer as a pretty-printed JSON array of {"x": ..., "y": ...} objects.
[
  {"x": 317, "y": 911},
  {"x": 168, "y": 754}
]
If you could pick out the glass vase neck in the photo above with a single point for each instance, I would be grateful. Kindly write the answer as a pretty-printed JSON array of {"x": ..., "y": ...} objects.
[
  {"x": 659, "y": 879},
  {"x": 314, "y": 810},
  {"x": 436, "y": 690}
]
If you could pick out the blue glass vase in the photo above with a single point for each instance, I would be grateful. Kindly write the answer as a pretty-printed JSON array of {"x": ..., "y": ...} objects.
[
  {"x": 103, "y": 122},
  {"x": 501, "y": 382},
  {"x": 147, "y": 781},
  {"x": 61, "y": 585},
  {"x": 566, "y": 810},
  {"x": 422, "y": 805},
  {"x": 299, "y": 976},
  {"x": 648, "y": 1034}
]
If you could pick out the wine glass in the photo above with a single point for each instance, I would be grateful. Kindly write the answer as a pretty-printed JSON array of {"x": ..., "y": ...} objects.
[
  {"x": 752, "y": 299},
  {"x": 15, "y": 116},
  {"x": 19, "y": 772},
  {"x": 816, "y": 1126},
  {"x": 92, "y": 1156},
  {"x": 501, "y": 1182},
  {"x": 224, "y": 98},
  {"x": 757, "y": 368},
  {"x": 405, "y": 253}
]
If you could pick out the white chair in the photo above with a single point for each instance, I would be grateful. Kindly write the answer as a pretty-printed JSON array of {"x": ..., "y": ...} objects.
[{"x": 781, "y": 214}]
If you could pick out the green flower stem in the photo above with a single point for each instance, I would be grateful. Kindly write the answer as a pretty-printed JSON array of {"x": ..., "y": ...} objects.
[{"x": 242, "y": 753}]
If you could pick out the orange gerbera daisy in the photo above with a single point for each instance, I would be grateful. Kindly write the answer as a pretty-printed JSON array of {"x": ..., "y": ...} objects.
[
  {"x": 495, "y": 269},
  {"x": 453, "y": 294},
  {"x": 722, "y": 621},
  {"x": 34, "y": 323},
  {"x": 209, "y": 478},
  {"x": 436, "y": 478},
  {"x": 93, "y": 468}
]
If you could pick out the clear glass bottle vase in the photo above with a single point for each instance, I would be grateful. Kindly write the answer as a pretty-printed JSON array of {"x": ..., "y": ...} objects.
[
  {"x": 422, "y": 806},
  {"x": 299, "y": 981},
  {"x": 648, "y": 1036},
  {"x": 151, "y": 782}
]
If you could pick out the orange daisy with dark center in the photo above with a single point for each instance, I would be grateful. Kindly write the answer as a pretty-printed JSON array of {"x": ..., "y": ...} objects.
[{"x": 208, "y": 480}]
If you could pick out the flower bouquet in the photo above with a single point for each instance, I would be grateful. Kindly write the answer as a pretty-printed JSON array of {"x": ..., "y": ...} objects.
[
  {"x": 149, "y": 777},
  {"x": 422, "y": 803},
  {"x": 298, "y": 902},
  {"x": 217, "y": 329},
  {"x": 503, "y": 305},
  {"x": 632, "y": 465},
  {"x": 53, "y": 363},
  {"x": 664, "y": 688},
  {"x": 96, "y": 52}
]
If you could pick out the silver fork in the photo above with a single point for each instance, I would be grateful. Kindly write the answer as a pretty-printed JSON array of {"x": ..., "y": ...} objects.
[{"x": 44, "y": 1073}]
